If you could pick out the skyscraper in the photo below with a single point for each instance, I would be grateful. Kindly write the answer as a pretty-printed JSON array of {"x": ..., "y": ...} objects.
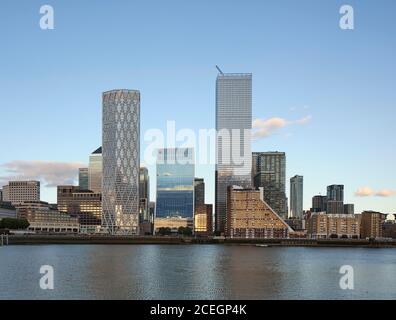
[
  {"x": 335, "y": 199},
  {"x": 199, "y": 192},
  {"x": 144, "y": 194},
  {"x": 233, "y": 142},
  {"x": 121, "y": 161},
  {"x": 175, "y": 183},
  {"x": 296, "y": 197},
  {"x": 95, "y": 171},
  {"x": 335, "y": 192},
  {"x": 271, "y": 176},
  {"x": 319, "y": 203},
  {"x": 83, "y": 178}
]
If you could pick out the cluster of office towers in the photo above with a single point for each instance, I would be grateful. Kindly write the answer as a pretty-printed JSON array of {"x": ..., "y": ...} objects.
[{"x": 114, "y": 191}]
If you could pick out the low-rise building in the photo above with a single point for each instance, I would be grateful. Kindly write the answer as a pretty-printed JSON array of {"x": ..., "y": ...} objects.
[
  {"x": 249, "y": 216},
  {"x": 323, "y": 225},
  {"x": 44, "y": 219},
  {"x": 21, "y": 191},
  {"x": 173, "y": 223}
]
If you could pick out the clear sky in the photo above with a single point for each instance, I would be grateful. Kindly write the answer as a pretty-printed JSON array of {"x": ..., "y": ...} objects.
[{"x": 325, "y": 96}]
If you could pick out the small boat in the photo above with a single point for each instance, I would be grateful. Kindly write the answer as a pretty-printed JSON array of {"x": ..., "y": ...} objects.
[{"x": 262, "y": 245}]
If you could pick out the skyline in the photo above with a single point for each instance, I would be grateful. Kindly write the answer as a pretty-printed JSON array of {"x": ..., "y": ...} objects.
[{"x": 319, "y": 123}]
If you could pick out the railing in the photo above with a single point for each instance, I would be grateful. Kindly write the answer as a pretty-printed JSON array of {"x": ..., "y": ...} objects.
[{"x": 4, "y": 240}]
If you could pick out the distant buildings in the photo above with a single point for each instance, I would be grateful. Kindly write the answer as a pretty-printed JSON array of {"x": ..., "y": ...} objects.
[
  {"x": 233, "y": 142},
  {"x": 349, "y": 208},
  {"x": 296, "y": 197},
  {"x": 335, "y": 207},
  {"x": 372, "y": 224},
  {"x": 321, "y": 225},
  {"x": 335, "y": 199},
  {"x": 249, "y": 216},
  {"x": 121, "y": 161},
  {"x": 7, "y": 210},
  {"x": 203, "y": 219},
  {"x": 1, "y": 195},
  {"x": 146, "y": 219},
  {"x": 319, "y": 203},
  {"x": 271, "y": 176},
  {"x": 95, "y": 171},
  {"x": 83, "y": 178},
  {"x": 175, "y": 183},
  {"x": 21, "y": 191},
  {"x": 83, "y": 204}
]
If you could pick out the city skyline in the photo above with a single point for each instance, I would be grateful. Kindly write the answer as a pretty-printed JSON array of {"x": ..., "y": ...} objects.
[{"x": 335, "y": 102}]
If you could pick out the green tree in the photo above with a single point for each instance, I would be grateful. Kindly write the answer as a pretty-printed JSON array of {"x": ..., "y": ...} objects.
[
  {"x": 185, "y": 231},
  {"x": 14, "y": 224},
  {"x": 164, "y": 231}
]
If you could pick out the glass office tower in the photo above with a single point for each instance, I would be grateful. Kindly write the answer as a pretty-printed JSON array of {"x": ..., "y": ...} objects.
[
  {"x": 271, "y": 175},
  {"x": 175, "y": 183},
  {"x": 95, "y": 171},
  {"x": 233, "y": 142},
  {"x": 83, "y": 178},
  {"x": 296, "y": 197},
  {"x": 121, "y": 161}
]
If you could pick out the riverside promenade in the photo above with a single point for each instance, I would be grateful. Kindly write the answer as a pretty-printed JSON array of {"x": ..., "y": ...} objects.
[{"x": 134, "y": 240}]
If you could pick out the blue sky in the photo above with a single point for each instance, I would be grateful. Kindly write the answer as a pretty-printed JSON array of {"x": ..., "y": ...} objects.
[{"x": 303, "y": 65}]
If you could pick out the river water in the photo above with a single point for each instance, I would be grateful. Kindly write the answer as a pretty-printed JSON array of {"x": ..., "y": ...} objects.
[{"x": 195, "y": 272}]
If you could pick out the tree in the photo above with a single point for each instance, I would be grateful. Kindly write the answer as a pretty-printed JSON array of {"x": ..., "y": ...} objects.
[
  {"x": 164, "y": 231},
  {"x": 185, "y": 231},
  {"x": 14, "y": 224}
]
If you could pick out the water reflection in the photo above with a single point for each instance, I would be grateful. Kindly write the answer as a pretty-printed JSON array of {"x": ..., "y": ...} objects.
[{"x": 195, "y": 272}]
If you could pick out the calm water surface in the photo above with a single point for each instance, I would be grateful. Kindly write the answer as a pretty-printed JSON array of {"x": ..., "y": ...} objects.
[{"x": 195, "y": 272}]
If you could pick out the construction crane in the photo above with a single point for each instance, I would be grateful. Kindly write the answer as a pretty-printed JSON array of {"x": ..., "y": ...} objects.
[{"x": 221, "y": 72}]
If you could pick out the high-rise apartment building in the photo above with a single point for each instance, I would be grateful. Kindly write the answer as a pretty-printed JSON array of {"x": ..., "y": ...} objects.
[
  {"x": 319, "y": 203},
  {"x": 271, "y": 176},
  {"x": 21, "y": 191},
  {"x": 249, "y": 216},
  {"x": 121, "y": 161},
  {"x": 349, "y": 208},
  {"x": 335, "y": 192},
  {"x": 233, "y": 142},
  {"x": 296, "y": 197},
  {"x": 83, "y": 178},
  {"x": 144, "y": 195},
  {"x": 175, "y": 183},
  {"x": 203, "y": 220},
  {"x": 95, "y": 171},
  {"x": 199, "y": 192}
]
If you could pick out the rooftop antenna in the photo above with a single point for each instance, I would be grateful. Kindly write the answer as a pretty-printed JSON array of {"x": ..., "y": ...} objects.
[{"x": 221, "y": 72}]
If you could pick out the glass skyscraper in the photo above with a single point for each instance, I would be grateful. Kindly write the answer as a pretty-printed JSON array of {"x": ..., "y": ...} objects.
[
  {"x": 95, "y": 171},
  {"x": 296, "y": 197},
  {"x": 271, "y": 175},
  {"x": 83, "y": 178},
  {"x": 121, "y": 161},
  {"x": 233, "y": 142},
  {"x": 175, "y": 183}
]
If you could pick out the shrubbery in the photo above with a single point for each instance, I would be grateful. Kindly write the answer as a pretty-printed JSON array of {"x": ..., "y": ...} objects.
[{"x": 14, "y": 224}]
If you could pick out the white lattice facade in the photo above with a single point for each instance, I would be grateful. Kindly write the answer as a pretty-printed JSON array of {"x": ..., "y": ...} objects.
[{"x": 121, "y": 161}]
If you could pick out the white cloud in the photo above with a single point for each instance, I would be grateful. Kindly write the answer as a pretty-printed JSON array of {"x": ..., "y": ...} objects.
[
  {"x": 51, "y": 173},
  {"x": 364, "y": 192},
  {"x": 367, "y": 192},
  {"x": 263, "y": 128},
  {"x": 385, "y": 193}
]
